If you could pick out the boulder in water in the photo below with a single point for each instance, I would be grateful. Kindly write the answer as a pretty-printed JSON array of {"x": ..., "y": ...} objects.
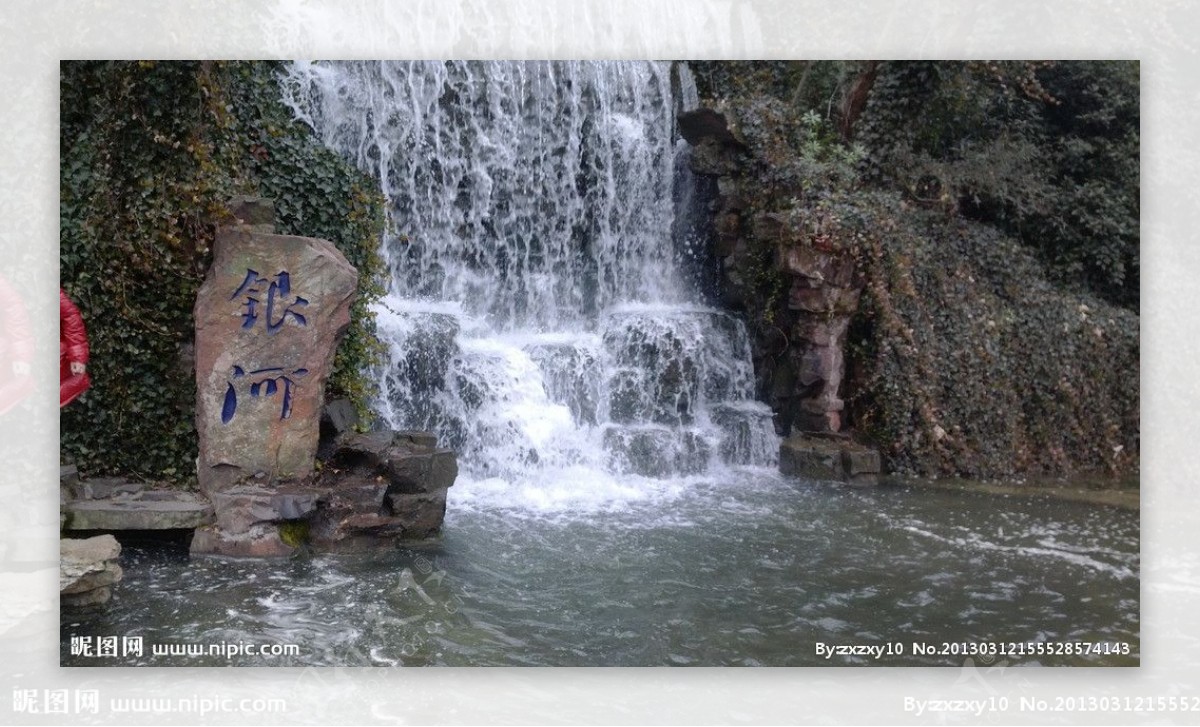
[
  {"x": 383, "y": 487},
  {"x": 375, "y": 490},
  {"x": 269, "y": 316},
  {"x": 261, "y": 540}
]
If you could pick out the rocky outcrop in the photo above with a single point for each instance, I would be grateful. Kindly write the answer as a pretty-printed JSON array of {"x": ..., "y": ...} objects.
[
  {"x": 824, "y": 294},
  {"x": 268, "y": 320},
  {"x": 901, "y": 301},
  {"x": 799, "y": 354},
  {"x": 88, "y": 571},
  {"x": 829, "y": 459},
  {"x": 383, "y": 487},
  {"x": 374, "y": 490},
  {"x": 258, "y": 541}
]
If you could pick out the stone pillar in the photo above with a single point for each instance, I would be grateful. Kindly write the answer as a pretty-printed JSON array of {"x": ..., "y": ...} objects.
[
  {"x": 806, "y": 364},
  {"x": 824, "y": 294}
]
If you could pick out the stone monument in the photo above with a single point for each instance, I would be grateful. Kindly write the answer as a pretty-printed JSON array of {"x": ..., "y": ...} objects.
[
  {"x": 269, "y": 317},
  {"x": 268, "y": 320}
]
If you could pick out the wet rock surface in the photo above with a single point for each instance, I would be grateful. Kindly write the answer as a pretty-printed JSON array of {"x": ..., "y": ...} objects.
[
  {"x": 374, "y": 490},
  {"x": 829, "y": 459},
  {"x": 383, "y": 487},
  {"x": 799, "y": 359},
  {"x": 261, "y": 540}
]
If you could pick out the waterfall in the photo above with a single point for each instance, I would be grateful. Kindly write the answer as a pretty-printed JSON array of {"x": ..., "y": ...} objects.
[{"x": 543, "y": 315}]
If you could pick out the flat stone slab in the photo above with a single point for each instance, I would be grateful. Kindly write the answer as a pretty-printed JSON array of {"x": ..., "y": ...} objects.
[
  {"x": 143, "y": 510},
  {"x": 101, "y": 488}
]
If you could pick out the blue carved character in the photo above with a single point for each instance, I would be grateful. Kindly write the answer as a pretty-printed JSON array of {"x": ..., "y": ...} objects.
[
  {"x": 278, "y": 286},
  {"x": 262, "y": 383}
]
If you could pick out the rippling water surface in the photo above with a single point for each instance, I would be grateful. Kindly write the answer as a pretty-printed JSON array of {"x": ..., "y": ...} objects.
[
  {"x": 550, "y": 317},
  {"x": 746, "y": 569}
]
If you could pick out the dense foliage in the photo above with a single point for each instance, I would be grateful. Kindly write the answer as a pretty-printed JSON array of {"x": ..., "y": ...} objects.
[
  {"x": 992, "y": 210},
  {"x": 151, "y": 154},
  {"x": 1048, "y": 152},
  {"x": 966, "y": 359}
]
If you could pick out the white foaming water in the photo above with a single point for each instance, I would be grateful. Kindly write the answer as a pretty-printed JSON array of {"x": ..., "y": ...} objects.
[
  {"x": 539, "y": 318},
  {"x": 689, "y": 97}
]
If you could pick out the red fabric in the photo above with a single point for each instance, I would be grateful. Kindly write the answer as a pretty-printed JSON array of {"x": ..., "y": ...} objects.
[{"x": 73, "y": 348}]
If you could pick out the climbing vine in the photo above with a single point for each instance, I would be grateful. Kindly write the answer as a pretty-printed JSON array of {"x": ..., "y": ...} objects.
[
  {"x": 151, "y": 154},
  {"x": 991, "y": 212}
]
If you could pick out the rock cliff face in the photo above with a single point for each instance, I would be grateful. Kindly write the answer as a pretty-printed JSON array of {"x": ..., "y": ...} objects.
[
  {"x": 799, "y": 353},
  {"x": 936, "y": 339}
]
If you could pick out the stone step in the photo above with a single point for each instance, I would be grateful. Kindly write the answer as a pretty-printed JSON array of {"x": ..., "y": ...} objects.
[
  {"x": 143, "y": 509},
  {"x": 102, "y": 488}
]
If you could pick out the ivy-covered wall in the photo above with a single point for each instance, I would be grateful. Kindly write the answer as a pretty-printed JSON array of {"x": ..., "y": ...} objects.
[
  {"x": 151, "y": 152},
  {"x": 991, "y": 211},
  {"x": 966, "y": 359}
]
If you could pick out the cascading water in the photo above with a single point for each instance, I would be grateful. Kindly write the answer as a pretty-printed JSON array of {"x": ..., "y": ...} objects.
[
  {"x": 541, "y": 315},
  {"x": 547, "y": 317}
]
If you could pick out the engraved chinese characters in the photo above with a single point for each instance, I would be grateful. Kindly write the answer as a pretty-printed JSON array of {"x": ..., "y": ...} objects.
[
  {"x": 280, "y": 286},
  {"x": 268, "y": 320}
]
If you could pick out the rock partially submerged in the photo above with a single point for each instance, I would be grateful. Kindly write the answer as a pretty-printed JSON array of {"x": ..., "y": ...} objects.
[
  {"x": 374, "y": 491},
  {"x": 283, "y": 468},
  {"x": 383, "y": 487},
  {"x": 88, "y": 570},
  {"x": 261, "y": 540},
  {"x": 799, "y": 358},
  {"x": 837, "y": 459}
]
